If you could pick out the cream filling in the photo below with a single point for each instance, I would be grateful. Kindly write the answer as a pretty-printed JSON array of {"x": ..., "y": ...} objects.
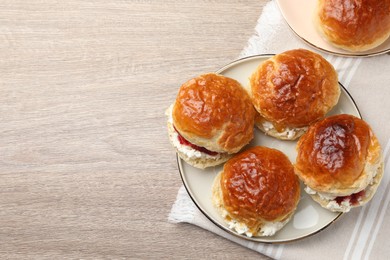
[
  {"x": 241, "y": 228},
  {"x": 190, "y": 152},
  {"x": 288, "y": 132},
  {"x": 268, "y": 228},
  {"x": 331, "y": 204},
  {"x": 345, "y": 205}
]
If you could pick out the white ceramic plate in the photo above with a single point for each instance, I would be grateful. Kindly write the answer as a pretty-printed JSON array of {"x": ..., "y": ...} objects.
[
  {"x": 299, "y": 15},
  {"x": 309, "y": 217}
]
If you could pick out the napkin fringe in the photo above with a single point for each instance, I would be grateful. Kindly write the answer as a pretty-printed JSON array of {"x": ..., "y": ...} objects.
[{"x": 183, "y": 210}]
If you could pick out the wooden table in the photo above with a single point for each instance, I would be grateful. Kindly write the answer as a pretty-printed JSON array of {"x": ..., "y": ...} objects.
[{"x": 86, "y": 167}]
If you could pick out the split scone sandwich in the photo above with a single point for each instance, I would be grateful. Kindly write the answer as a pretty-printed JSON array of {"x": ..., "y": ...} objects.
[
  {"x": 292, "y": 90},
  {"x": 211, "y": 119},
  {"x": 257, "y": 192},
  {"x": 354, "y": 25},
  {"x": 340, "y": 161}
]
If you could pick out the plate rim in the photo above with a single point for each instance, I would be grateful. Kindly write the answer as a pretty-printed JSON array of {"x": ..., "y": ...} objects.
[
  {"x": 229, "y": 231},
  {"x": 350, "y": 54}
]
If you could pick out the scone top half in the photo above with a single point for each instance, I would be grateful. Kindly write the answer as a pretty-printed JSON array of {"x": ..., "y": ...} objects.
[
  {"x": 292, "y": 90},
  {"x": 354, "y": 25},
  {"x": 215, "y": 112},
  {"x": 340, "y": 161},
  {"x": 257, "y": 190}
]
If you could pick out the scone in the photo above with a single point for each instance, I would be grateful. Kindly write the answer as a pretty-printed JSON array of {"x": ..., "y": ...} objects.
[
  {"x": 211, "y": 119},
  {"x": 354, "y": 25},
  {"x": 340, "y": 161},
  {"x": 292, "y": 90},
  {"x": 257, "y": 192}
]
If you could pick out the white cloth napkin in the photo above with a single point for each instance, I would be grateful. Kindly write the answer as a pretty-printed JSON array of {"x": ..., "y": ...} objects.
[{"x": 363, "y": 232}]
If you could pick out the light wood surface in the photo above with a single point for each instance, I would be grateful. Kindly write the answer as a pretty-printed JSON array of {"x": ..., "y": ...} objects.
[{"x": 86, "y": 167}]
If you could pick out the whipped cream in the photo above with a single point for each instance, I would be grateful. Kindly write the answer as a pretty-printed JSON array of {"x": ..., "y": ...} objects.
[
  {"x": 240, "y": 228},
  {"x": 288, "y": 132},
  {"x": 332, "y": 204},
  {"x": 322, "y": 195},
  {"x": 268, "y": 228},
  {"x": 345, "y": 206}
]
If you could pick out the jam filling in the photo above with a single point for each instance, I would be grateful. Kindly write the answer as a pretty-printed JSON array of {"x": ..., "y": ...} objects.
[
  {"x": 184, "y": 141},
  {"x": 353, "y": 198}
]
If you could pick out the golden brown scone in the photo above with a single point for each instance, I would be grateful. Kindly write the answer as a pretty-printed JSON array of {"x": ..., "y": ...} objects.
[
  {"x": 212, "y": 118},
  {"x": 292, "y": 90},
  {"x": 257, "y": 192},
  {"x": 340, "y": 161},
  {"x": 354, "y": 25}
]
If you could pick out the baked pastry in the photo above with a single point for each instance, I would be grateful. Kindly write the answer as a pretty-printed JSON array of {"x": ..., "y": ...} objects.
[
  {"x": 211, "y": 119},
  {"x": 292, "y": 90},
  {"x": 354, "y": 25},
  {"x": 340, "y": 161},
  {"x": 257, "y": 192}
]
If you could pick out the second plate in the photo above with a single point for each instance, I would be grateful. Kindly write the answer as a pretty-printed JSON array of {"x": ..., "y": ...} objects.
[{"x": 299, "y": 15}]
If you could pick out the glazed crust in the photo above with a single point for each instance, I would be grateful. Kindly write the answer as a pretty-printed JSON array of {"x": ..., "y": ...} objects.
[
  {"x": 333, "y": 155},
  {"x": 354, "y": 25},
  {"x": 214, "y": 112},
  {"x": 259, "y": 185},
  {"x": 294, "y": 89}
]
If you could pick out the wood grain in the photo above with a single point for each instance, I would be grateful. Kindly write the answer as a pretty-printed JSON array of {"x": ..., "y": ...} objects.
[{"x": 86, "y": 167}]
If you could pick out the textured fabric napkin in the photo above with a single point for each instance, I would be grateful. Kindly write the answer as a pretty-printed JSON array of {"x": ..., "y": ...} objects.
[{"x": 362, "y": 233}]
